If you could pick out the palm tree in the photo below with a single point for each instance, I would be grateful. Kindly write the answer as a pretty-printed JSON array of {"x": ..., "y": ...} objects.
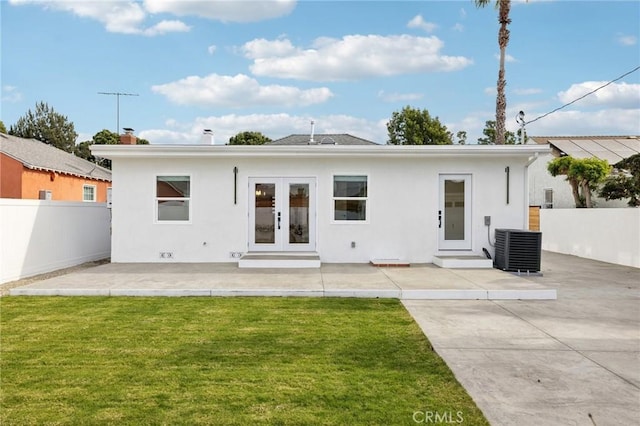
[{"x": 504, "y": 7}]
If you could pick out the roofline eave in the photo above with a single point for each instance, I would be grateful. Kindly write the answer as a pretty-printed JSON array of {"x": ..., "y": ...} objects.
[{"x": 314, "y": 151}]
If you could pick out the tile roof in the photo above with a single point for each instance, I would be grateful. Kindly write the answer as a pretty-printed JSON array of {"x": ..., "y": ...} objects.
[
  {"x": 610, "y": 148},
  {"x": 37, "y": 155},
  {"x": 322, "y": 139}
]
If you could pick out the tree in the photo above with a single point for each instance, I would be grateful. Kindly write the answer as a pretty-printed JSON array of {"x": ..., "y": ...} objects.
[
  {"x": 414, "y": 127},
  {"x": 504, "y": 8},
  {"x": 249, "y": 138},
  {"x": 47, "y": 126},
  {"x": 583, "y": 174},
  {"x": 490, "y": 134},
  {"x": 2, "y": 128},
  {"x": 462, "y": 137},
  {"x": 625, "y": 183}
]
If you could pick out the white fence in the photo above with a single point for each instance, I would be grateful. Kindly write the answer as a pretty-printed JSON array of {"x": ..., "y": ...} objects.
[
  {"x": 42, "y": 236},
  {"x": 609, "y": 235}
]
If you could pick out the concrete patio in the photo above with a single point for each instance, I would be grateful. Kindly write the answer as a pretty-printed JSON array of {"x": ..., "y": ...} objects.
[{"x": 425, "y": 281}]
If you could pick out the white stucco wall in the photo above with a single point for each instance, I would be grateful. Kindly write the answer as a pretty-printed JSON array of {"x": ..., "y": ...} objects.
[
  {"x": 609, "y": 235},
  {"x": 540, "y": 179},
  {"x": 41, "y": 236},
  {"x": 402, "y": 206}
]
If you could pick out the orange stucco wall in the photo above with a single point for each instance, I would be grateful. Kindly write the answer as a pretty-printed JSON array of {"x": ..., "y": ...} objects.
[
  {"x": 10, "y": 177},
  {"x": 63, "y": 187}
]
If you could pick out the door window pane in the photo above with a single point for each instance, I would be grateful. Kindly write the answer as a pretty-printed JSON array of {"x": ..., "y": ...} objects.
[
  {"x": 454, "y": 210},
  {"x": 299, "y": 213},
  {"x": 265, "y": 213}
]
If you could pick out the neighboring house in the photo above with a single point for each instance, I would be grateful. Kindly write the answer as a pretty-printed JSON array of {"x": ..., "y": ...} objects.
[
  {"x": 322, "y": 139},
  {"x": 547, "y": 191},
  {"x": 30, "y": 169},
  {"x": 344, "y": 202}
]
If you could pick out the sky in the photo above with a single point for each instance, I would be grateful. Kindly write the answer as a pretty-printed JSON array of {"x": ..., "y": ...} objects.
[{"x": 274, "y": 66}]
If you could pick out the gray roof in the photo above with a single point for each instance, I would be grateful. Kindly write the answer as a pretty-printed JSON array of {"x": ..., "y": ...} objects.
[
  {"x": 610, "y": 148},
  {"x": 37, "y": 155},
  {"x": 322, "y": 139}
]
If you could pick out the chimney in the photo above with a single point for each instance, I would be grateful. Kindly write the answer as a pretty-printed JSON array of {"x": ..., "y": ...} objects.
[
  {"x": 207, "y": 137},
  {"x": 311, "y": 141},
  {"x": 128, "y": 138}
]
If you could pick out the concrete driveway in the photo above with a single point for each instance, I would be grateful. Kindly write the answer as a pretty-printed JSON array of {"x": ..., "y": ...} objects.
[{"x": 570, "y": 361}]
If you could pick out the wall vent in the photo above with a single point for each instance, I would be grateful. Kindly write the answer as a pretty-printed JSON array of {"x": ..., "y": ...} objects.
[
  {"x": 44, "y": 194},
  {"x": 518, "y": 250}
]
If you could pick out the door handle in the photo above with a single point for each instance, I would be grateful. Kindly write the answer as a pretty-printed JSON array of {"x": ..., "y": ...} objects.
[
  {"x": 279, "y": 218},
  {"x": 439, "y": 218}
]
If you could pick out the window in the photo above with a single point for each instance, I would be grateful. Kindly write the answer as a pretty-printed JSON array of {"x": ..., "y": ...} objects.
[
  {"x": 89, "y": 193},
  {"x": 548, "y": 198},
  {"x": 350, "y": 198},
  {"x": 173, "y": 194}
]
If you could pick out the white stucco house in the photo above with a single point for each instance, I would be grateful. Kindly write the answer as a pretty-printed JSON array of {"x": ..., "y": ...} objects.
[
  {"x": 340, "y": 200},
  {"x": 547, "y": 191}
]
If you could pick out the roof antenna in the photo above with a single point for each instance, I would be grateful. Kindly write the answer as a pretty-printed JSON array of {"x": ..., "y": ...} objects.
[{"x": 311, "y": 141}]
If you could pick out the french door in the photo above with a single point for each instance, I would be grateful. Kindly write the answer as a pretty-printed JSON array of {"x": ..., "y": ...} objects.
[
  {"x": 282, "y": 214},
  {"x": 454, "y": 212}
]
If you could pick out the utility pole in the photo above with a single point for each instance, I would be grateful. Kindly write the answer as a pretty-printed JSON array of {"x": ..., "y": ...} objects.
[{"x": 117, "y": 95}]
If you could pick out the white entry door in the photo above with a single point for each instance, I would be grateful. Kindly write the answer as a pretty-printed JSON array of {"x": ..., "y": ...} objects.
[
  {"x": 282, "y": 214},
  {"x": 454, "y": 212}
]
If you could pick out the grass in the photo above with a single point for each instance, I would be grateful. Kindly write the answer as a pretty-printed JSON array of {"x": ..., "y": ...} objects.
[{"x": 219, "y": 361}]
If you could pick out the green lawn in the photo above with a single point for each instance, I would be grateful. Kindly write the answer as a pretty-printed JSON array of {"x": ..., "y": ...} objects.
[{"x": 93, "y": 360}]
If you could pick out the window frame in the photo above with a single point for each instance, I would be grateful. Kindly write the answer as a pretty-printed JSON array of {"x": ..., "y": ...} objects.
[
  {"x": 95, "y": 193},
  {"x": 367, "y": 204},
  {"x": 545, "y": 204},
  {"x": 156, "y": 200}
]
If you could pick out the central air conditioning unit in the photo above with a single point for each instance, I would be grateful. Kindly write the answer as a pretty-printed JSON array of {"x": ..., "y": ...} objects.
[{"x": 518, "y": 250}]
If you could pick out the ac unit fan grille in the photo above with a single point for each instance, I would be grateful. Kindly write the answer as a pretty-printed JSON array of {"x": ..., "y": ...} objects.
[{"x": 518, "y": 250}]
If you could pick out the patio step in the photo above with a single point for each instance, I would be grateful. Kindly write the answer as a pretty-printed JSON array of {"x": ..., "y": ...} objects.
[
  {"x": 279, "y": 260},
  {"x": 462, "y": 261}
]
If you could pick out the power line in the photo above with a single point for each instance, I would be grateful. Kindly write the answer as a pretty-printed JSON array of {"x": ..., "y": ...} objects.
[
  {"x": 585, "y": 95},
  {"x": 117, "y": 95}
]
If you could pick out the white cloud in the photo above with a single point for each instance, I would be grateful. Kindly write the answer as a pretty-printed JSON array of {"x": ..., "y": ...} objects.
[
  {"x": 627, "y": 40},
  {"x": 117, "y": 16},
  {"x": 212, "y": 49},
  {"x": 11, "y": 94},
  {"x": 272, "y": 125},
  {"x": 615, "y": 95},
  {"x": 580, "y": 123},
  {"x": 458, "y": 27},
  {"x": 164, "y": 27},
  {"x": 169, "y": 137},
  {"x": 261, "y": 48},
  {"x": 352, "y": 57},
  {"x": 491, "y": 91},
  {"x": 524, "y": 92},
  {"x": 419, "y": 22},
  {"x": 399, "y": 97},
  {"x": 225, "y": 11},
  {"x": 237, "y": 91}
]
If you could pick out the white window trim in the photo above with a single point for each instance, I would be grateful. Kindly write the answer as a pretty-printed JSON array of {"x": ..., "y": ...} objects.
[
  {"x": 367, "y": 200},
  {"x": 95, "y": 193},
  {"x": 155, "y": 200}
]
